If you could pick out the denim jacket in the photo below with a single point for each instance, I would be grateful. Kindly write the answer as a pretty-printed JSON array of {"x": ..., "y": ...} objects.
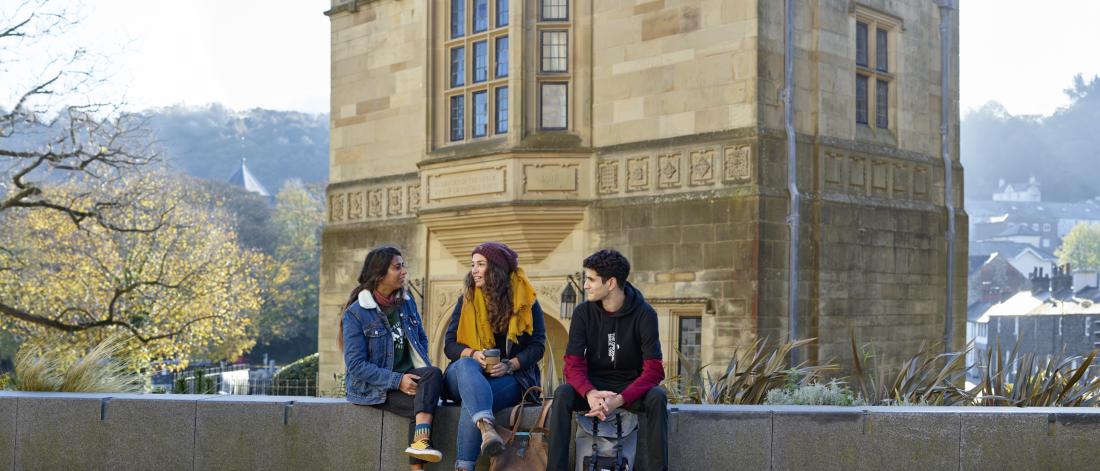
[{"x": 368, "y": 349}]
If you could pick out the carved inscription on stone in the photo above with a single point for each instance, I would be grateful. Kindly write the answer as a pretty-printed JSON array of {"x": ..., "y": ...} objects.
[
  {"x": 550, "y": 178},
  {"x": 637, "y": 174},
  {"x": 414, "y": 198},
  {"x": 702, "y": 167},
  {"x": 668, "y": 171},
  {"x": 483, "y": 181},
  {"x": 608, "y": 177},
  {"x": 374, "y": 203},
  {"x": 737, "y": 163},
  {"x": 393, "y": 201},
  {"x": 336, "y": 208},
  {"x": 355, "y": 206}
]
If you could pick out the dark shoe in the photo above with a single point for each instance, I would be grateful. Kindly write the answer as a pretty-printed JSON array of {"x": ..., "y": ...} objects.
[{"x": 491, "y": 443}]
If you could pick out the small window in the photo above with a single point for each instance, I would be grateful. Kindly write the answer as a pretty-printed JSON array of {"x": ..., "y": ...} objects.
[
  {"x": 861, "y": 99},
  {"x": 881, "y": 52},
  {"x": 554, "y": 105},
  {"x": 861, "y": 43},
  {"x": 481, "y": 15},
  {"x": 481, "y": 61},
  {"x": 1046, "y": 227},
  {"x": 555, "y": 10},
  {"x": 458, "y": 119},
  {"x": 882, "y": 97},
  {"x": 502, "y": 56},
  {"x": 502, "y": 13},
  {"x": 554, "y": 51},
  {"x": 481, "y": 113},
  {"x": 458, "y": 18},
  {"x": 458, "y": 66},
  {"x": 502, "y": 110},
  {"x": 690, "y": 343}
]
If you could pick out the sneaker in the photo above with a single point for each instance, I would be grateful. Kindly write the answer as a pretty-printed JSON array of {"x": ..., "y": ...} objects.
[
  {"x": 491, "y": 443},
  {"x": 422, "y": 449}
]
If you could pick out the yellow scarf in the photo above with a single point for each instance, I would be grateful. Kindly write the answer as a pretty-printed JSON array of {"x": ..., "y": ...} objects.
[{"x": 474, "y": 329}]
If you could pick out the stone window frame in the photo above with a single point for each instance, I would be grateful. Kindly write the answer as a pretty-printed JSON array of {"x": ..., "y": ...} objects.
[
  {"x": 873, "y": 72},
  {"x": 493, "y": 32},
  {"x": 565, "y": 77},
  {"x": 678, "y": 318}
]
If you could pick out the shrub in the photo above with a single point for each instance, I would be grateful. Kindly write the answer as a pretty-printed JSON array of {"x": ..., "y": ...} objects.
[{"x": 833, "y": 393}]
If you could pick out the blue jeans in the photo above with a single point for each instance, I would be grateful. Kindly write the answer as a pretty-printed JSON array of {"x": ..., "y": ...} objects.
[{"x": 480, "y": 396}]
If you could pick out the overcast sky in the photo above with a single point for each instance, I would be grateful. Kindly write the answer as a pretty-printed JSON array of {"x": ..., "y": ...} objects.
[{"x": 274, "y": 53}]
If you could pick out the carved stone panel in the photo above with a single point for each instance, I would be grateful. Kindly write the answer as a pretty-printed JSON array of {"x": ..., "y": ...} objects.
[
  {"x": 737, "y": 163},
  {"x": 702, "y": 167},
  {"x": 481, "y": 181},
  {"x": 393, "y": 201},
  {"x": 336, "y": 208},
  {"x": 920, "y": 182},
  {"x": 668, "y": 171},
  {"x": 551, "y": 178},
  {"x": 834, "y": 170},
  {"x": 880, "y": 177},
  {"x": 637, "y": 174},
  {"x": 374, "y": 203},
  {"x": 608, "y": 177},
  {"x": 355, "y": 206},
  {"x": 414, "y": 198},
  {"x": 857, "y": 175},
  {"x": 901, "y": 180}
]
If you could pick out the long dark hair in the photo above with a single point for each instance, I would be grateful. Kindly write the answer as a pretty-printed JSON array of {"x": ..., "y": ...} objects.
[
  {"x": 498, "y": 295},
  {"x": 375, "y": 267}
]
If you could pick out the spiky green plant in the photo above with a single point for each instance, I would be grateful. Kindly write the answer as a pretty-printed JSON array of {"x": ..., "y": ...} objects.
[
  {"x": 1039, "y": 381},
  {"x": 750, "y": 374},
  {"x": 926, "y": 378},
  {"x": 96, "y": 371}
]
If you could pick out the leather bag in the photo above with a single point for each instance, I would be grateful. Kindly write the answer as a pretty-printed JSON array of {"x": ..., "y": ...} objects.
[{"x": 523, "y": 451}]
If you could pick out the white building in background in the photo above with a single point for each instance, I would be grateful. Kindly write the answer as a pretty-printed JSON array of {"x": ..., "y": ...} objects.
[{"x": 1028, "y": 191}]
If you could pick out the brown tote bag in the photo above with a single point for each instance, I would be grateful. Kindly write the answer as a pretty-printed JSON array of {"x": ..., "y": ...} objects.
[{"x": 523, "y": 451}]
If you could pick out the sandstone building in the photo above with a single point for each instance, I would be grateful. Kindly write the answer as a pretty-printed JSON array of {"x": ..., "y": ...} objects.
[{"x": 656, "y": 127}]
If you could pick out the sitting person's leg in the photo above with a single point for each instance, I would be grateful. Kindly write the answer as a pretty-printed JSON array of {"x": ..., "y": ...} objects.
[
  {"x": 401, "y": 404},
  {"x": 655, "y": 407},
  {"x": 465, "y": 380},
  {"x": 566, "y": 402},
  {"x": 428, "y": 389}
]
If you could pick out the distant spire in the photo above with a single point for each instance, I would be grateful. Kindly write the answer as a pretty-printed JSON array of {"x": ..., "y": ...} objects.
[{"x": 244, "y": 179}]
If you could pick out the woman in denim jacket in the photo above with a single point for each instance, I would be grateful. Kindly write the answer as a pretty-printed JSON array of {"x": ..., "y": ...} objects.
[
  {"x": 498, "y": 311},
  {"x": 386, "y": 351}
]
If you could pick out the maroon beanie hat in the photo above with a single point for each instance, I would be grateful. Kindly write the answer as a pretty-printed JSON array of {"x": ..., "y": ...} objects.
[{"x": 498, "y": 254}]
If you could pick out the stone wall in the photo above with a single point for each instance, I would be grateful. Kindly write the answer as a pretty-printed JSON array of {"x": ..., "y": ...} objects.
[{"x": 123, "y": 432}]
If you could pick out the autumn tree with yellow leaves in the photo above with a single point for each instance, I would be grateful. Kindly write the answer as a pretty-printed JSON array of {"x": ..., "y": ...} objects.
[{"x": 96, "y": 239}]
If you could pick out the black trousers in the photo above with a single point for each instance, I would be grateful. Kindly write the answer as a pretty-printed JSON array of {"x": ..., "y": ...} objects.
[
  {"x": 653, "y": 405},
  {"x": 425, "y": 400}
]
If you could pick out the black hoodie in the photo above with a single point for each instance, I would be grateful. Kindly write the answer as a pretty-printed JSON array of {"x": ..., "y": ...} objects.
[{"x": 615, "y": 345}]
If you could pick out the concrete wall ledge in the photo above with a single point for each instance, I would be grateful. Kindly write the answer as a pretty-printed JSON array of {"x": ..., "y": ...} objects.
[{"x": 135, "y": 431}]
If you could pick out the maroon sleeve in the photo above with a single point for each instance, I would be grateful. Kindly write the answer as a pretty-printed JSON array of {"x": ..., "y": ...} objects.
[
  {"x": 576, "y": 374},
  {"x": 653, "y": 372}
]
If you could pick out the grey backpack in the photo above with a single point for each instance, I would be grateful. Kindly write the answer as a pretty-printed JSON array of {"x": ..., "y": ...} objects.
[{"x": 607, "y": 445}]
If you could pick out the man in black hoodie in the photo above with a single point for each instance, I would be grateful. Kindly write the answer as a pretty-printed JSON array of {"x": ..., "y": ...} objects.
[{"x": 612, "y": 361}]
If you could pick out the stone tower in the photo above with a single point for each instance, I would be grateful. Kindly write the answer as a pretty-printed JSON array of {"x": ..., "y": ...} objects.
[{"x": 656, "y": 127}]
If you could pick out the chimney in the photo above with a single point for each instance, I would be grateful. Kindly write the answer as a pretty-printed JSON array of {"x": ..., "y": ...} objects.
[{"x": 1039, "y": 283}]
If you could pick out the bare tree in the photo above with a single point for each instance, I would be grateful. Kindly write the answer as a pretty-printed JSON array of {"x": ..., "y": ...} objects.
[{"x": 60, "y": 147}]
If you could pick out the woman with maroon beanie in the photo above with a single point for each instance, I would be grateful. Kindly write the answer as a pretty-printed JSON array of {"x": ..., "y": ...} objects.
[{"x": 498, "y": 311}]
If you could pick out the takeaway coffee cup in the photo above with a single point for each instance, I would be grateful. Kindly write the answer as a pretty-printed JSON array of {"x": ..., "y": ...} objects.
[{"x": 492, "y": 357}]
